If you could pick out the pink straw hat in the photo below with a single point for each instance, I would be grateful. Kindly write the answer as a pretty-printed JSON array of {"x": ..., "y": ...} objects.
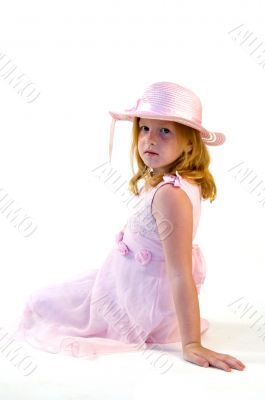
[{"x": 170, "y": 102}]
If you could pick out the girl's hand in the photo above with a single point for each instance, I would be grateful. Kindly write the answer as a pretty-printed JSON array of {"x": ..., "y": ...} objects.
[{"x": 197, "y": 354}]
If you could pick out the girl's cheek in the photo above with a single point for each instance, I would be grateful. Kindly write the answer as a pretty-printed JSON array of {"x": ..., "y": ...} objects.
[{"x": 165, "y": 137}]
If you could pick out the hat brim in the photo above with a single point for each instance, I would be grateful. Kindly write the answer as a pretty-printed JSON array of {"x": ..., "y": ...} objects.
[{"x": 210, "y": 138}]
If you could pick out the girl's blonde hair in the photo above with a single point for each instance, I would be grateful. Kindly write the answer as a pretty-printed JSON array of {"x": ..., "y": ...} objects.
[{"x": 191, "y": 165}]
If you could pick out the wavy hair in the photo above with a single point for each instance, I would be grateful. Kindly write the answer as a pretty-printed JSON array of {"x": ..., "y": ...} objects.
[{"x": 191, "y": 165}]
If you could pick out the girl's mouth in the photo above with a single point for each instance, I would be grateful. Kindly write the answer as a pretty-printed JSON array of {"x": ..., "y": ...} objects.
[{"x": 150, "y": 153}]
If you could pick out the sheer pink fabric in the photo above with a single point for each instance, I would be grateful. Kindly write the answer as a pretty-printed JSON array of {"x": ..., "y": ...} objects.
[{"x": 126, "y": 304}]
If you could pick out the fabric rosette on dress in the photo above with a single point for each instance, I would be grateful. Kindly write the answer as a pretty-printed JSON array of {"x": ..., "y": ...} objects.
[{"x": 142, "y": 256}]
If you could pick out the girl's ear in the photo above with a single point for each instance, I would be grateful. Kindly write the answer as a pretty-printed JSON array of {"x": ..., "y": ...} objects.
[{"x": 188, "y": 148}]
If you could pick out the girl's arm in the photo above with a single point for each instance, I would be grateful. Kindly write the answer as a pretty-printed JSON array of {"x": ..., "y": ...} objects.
[{"x": 172, "y": 207}]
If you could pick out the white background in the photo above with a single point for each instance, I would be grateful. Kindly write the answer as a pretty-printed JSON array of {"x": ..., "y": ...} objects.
[{"x": 89, "y": 57}]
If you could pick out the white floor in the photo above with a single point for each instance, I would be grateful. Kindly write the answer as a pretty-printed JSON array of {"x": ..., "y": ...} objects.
[{"x": 138, "y": 376}]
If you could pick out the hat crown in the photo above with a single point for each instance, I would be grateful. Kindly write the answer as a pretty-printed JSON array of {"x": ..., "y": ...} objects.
[{"x": 172, "y": 100}]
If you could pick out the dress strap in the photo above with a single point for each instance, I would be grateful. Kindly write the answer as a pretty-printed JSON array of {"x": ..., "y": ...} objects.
[{"x": 176, "y": 180}]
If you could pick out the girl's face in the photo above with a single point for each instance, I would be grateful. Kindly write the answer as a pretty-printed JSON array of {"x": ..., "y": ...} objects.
[{"x": 159, "y": 143}]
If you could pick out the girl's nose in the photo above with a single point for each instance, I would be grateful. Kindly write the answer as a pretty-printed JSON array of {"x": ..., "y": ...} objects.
[{"x": 151, "y": 137}]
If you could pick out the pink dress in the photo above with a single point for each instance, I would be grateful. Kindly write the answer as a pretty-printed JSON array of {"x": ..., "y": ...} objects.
[{"x": 126, "y": 304}]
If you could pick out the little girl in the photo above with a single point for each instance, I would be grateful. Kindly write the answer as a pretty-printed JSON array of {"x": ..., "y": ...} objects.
[{"x": 146, "y": 291}]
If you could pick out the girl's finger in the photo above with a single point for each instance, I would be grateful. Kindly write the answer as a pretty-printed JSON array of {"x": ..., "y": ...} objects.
[
  {"x": 193, "y": 358},
  {"x": 236, "y": 364},
  {"x": 232, "y": 361},
  {"x": 215, "y": 362}
]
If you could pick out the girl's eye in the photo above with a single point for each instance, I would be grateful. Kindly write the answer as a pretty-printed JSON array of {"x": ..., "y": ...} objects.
[
  {"x": 165, "y": 131},
  {"x": 144, "y": 128}
]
